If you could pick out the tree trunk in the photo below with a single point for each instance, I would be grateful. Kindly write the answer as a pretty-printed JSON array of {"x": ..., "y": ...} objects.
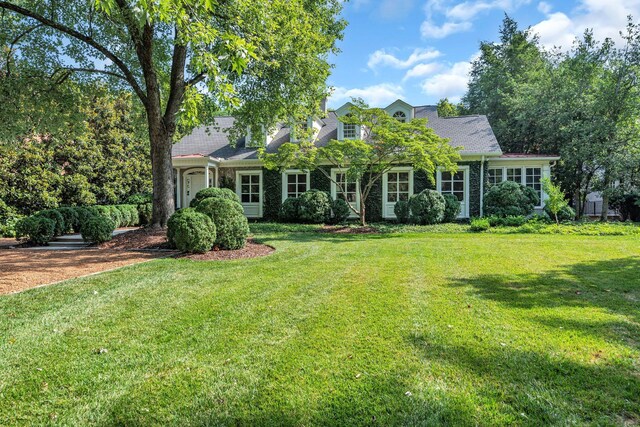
[
  {"x": 578, "y": 203},
  {"x": 604, "y": 215},
  {"x": 363, "y": 220},
  {"x": 162, "y": 171}
]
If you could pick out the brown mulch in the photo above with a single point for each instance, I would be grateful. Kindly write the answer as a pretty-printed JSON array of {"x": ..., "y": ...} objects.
[
  {"x": 22, "y": 269},
  {"x": 6, "y": 242},
  {"x": 337, "y": 229},
  {"x": 140, "y": 239},
  {"x": 251, "y": 250}
]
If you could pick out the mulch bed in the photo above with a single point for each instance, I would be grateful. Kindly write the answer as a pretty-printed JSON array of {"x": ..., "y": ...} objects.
[
  {"x": 337, "y": 229},
  {"x": 141, "y": 239},
  {"x": 251, "y": 250}
]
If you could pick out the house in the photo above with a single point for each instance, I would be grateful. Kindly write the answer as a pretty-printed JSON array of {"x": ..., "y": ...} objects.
[{"x": 206, "y": 158}]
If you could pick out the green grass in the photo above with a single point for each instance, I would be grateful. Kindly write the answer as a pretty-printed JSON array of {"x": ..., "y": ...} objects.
[{"x": 394, "y": 329}]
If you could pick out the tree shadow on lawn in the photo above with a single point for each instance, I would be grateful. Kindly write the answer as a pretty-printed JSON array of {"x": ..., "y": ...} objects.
[
  {"x": 613, "y": 285},
  {"x": 515, "y": 386}
]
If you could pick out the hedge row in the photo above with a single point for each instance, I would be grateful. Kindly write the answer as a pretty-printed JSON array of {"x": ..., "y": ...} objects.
[
  {"x": 314, "y": 207},
  {"x": 95, "y": 223},
  {"x": 427, "y": 207}
]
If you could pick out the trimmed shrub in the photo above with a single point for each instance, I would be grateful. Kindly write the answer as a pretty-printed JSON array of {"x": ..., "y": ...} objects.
[
  {"x": 565, "y": 214},
  {"x": 232, "y": 226},
  {"x": 82, "y": 215},
  {"x": 289, "y": 209},
  {"x": 70, "y": 216},
  {"x": 139, "y": 199},
  {"x": 37, "y": 229},
  {"x": 509, "y": 199},
  {"x": 8, "y": 218},
  {"x": 115, "y": 215},
  {"x": 129, "y": 214},
  {"x": 145, "y": 213},
  {"x": 507, "y": 221},
  {"x": 340, "y": 210},
  {"x": 401, "y": 209},
  {"x": 427, "y": 207},
  {"x": 314, "y": 207},
  {"x": 191, "y": 231},
  {"x": 205, "y": 193},
  {"x": 97, "y": 229},
  {"x": 451, "y": 208},
  {"x": 58, "y": 220},
  {"x": 480, "y": 224}
]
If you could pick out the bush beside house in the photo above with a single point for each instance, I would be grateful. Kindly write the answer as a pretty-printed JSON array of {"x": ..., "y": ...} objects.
[
  {"x": 192, "y": 231},
  {"x": 232, "y": 226},
  {"x": 426, "y": 207},
  {"x": 509, "y": 199}
]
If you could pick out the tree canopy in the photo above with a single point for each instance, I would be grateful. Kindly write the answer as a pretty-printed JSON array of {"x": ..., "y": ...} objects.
[
  {"x": 264, "y": 59},
  {"x": 384, "y": 143}
]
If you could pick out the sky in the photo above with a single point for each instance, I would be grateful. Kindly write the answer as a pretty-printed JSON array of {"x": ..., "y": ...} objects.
[{"x": 421, "y": 50}]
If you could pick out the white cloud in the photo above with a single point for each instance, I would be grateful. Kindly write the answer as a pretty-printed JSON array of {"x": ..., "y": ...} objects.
[
  {"x": 376, "y": 95},
  {"x": 452, "y": 83},
  {"x": 606, "y": 19},
  {"x": 422, "y": 70},
  {"x": 469, "y": 9},
  {"x": 544, "y": 7},
  {"x": 381, "y": 57},
  {"x": 430, "y": 30}
]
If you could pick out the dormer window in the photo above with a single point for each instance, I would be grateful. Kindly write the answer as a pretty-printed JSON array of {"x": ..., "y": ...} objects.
[
  {"x": 400, "y": 116},
  {"x": 349, "y": 131}
]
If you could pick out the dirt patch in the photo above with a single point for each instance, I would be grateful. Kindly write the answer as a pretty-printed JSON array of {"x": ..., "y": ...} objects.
[
  {"x": 25, "y": 268},
  {"x": 251, "y": 250},
  {"x": 337, "y": 229},
  {"x": 7, "y": 242},
  {"x": 141, "y": 238}
]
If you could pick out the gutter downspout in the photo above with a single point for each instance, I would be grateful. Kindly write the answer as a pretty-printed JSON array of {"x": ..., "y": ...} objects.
[{"x": 482, "y": 186}]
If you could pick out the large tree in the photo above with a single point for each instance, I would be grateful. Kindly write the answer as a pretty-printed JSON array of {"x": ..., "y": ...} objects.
[
  {"x": 384, "y": 142},
  {"x": 267, "y": 59}
]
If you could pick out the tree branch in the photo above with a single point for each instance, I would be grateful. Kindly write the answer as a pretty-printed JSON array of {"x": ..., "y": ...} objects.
[
  {"x": 176, "y": 82},
  {"x": 196, "y": 79},
  {"x": 91, "y": 70},
  {"x": 129, "y": 77}
]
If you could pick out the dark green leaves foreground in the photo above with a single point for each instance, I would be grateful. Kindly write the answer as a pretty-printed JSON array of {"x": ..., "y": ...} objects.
[{"x": 409, "y": 329}]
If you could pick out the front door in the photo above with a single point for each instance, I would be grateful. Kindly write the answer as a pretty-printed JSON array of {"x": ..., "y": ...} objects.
[
  {"x": 193, "y": 183},
  {"x": 458, "y": 185}
]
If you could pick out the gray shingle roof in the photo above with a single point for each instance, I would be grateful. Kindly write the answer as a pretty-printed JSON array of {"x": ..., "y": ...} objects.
[{"x": 473, "y": 133}]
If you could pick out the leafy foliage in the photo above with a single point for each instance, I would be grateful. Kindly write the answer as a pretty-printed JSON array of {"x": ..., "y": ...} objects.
[
  {"x": 340, "y": 211},
  {"x": 97, "y": 229},
  {"x": 314, "y": 206},
  {"x": 35, "y": 229},
  {"x": 289, "y": 209},
  {"x": 232, "y": 226},
  {"x": 427, "y": 207},
  {"x": 205, "y": 193},
  {"x": 402, "y": 211},
  {"x": 556, "y": 201},
  {"x": 509, "y": 199},
  {"x": 479, "y": 224},
  {"x": 60, "y": 227},
  {"x": 451, "y": 208},
  {"x": 192, "y": 231}
]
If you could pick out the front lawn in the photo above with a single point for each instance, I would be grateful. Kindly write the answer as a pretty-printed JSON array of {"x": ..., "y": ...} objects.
[{"x": 395, "y": 329}]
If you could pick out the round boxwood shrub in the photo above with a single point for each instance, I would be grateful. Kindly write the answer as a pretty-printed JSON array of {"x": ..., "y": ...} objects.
[
  {"x": 340, "y": 210},
  {"x": 451, "y": 208},
  {"x": 205, "y": 193},
  {"x": 232, "y": 226},
  {"x": 427, "y": 207},
  {"x": 36, "y": 229},
  {"x": 145, "y": 213},
  {"x": 289, "y": 209},
  {"x": 191, "y": 231},
  {"x": 97, "y": 229},
  {"x": 115, "y": 215},
  {"x": 401, "y": 209},
  {"x": 139, "y": 199},
  {"x": 82, "y": 214},
  {"x": 58, "y": 220},
  {"x": 70, "y": 216},
  {"x": 314, "y": 207},
  {"x": 565, "y": 214},
  {"x": 509, "y": 199}
]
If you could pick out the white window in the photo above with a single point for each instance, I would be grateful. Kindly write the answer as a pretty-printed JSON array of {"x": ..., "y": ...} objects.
[
  {"x": 514, "y": 174},
  {"x": 349, "y": 131},
  {"x": 495, "y": 176},
  {"x": 397, "y": 184},
  {"x": 400, "y": 116},
  {"x": 294, "y": 183},
  {"x": 457, "y": 184},
  {"x": 532, "y": 180},
  {"x": 342, "y": 187},
  {"x": 249, "y": 190}
]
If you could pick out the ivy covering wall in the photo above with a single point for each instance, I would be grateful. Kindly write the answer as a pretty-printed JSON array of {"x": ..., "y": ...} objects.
[{"x": 272, "y": 198}]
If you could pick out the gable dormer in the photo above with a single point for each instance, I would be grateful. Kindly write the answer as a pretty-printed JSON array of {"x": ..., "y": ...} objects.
[
  {"x": 400, "y": 110},
  {"x": 347, "y": 130},
  {"x": 311, "y": 123},
  {"x": 260, "y": 139}
]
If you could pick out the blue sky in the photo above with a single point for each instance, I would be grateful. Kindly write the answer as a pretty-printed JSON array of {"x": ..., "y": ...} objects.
[{"x": 420, "y": 50}]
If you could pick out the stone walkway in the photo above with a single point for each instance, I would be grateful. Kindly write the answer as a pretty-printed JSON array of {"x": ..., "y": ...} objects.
[{"x": 70, "y": 242}]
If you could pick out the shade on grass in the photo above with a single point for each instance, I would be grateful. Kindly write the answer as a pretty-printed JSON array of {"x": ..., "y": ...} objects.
[{"x": 338, "y": 330}]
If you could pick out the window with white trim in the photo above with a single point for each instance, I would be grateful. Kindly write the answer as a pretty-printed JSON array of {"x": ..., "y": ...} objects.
[
  {"x": 400, "y": 116},
  {"x": 514, "y": 174},
  {"x": 453, "y": 183},
  {"x": 349, "y": 131},
  {"x": 296, "y": 183},
  {"x": 494, "y": 176},
  {"x": 397, "y": 186},
  {"x": 346, "y": 188},
  {"x": 250, "y": 188},
  {"x": 532, "y": 180}
]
